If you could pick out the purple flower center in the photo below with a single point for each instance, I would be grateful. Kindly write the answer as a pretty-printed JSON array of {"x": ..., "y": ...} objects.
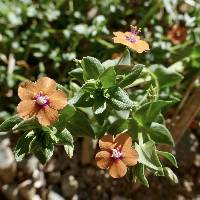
[
  {"x": 131, "y": 39},
  {"x": 116, "y": 153},
  {"x": 41, "y": 100}
]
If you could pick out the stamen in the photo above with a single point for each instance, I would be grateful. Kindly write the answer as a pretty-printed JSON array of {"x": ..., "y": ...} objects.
[
  {"x": 41, "y": 99},
  {"x": 116, "y": 154},
  {"x": 135, "y": 30}
]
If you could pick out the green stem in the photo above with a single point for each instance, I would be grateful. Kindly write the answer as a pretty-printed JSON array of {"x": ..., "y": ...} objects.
[{"x": 140, "y": 138}]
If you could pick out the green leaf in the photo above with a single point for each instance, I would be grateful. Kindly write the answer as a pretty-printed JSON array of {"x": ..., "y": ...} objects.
[
  {"x": 60, "y": 87},
  {"x": 125, "y": 59},
  {"x": 108, "y": 77},
  {"x": 89, "y": 86},
  {"x": 119, "y": 99},
  {"x": 160, "y": 134},
  {"x": 77, "y": 73},
  {"x": 78, "y": 125},
  {"x": 124, "y": 64},
  {"x": 149, "y": 111},
  {"x": 62, "y": 138},
  {"x": 170, "y": 174},
  {"x": 23, "y": 145},
  {"x": 101, "y": 117},
  {"x": 42, "y": 147},
  {"x": 9, "y": 123},
  {"x": 99, "y": 105},
  {"x": 92, "y": 68},
  {"x": 28, "y": 124},
  {"x": 132, "y": 76},
  {"x": 167, "y": 77},
  {"x": 168, "y": 156},
  {"x": 81, "y": 99},
  {"x": 139, "y": 172},
  {"x": 133, "y": 128},
  {"x": 118, "y": 126},
  {"x": 147, "y": 155},
  {"x": 64, "y": 116},
  {"x": 69, "y": 149}
]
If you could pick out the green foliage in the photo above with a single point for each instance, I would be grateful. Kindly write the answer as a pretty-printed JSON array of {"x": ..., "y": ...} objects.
[
  {"x": 10, "y": 123},
  {"x": 160, "y": 134},
  {"x": 42, "y": 38},
  {"x": 167, "y": 77},
  {"x": 23, "y": 145},
  {"x": 102, "y": 103}
]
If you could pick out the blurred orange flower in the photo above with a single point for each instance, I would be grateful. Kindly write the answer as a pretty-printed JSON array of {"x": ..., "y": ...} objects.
[
  {"x": 41, "y": 99},
  {"x": 116, "y": 154},
  {"x": 177, "y": 34},
  {"x": 131, "y": 40}
]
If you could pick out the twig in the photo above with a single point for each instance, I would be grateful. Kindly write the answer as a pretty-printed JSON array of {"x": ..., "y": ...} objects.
[{"x": 186, "y": 95}]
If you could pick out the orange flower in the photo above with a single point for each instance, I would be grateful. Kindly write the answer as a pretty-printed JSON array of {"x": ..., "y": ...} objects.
[
  {"x": 131, "y": 40},
  {"x": 41, "y": 99},
  {"x": 116, "y": 154},
  {"x": 177, "y": 34}
]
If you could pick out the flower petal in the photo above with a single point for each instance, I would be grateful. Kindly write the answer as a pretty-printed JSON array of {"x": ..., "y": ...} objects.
[
  {"x": 27, "y": 108},
  {"x": 140, "y": 46},
  {"x": 118, "y": 169},
  {"x": 118, "y": 34},
  {"x": 27, "y": 90},
  {"x": 103, "y": 159},
  {"x": 122, "y": 40},
  {"x": 57, "y": 100},
  {"x": 130, "y": 156},
  {"x": 46, "y": 85},
  {"x": 106, "y": 142},
  {"x": 123, "y": 140},
  {"x": 47, "y": 116}
]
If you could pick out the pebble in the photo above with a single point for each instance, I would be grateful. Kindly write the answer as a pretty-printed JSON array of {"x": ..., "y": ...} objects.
[
  {"x": 29, "y": 165},
  {"x": 7, "y": 165},
  {"x": 197, "y": 160},
  {"x": 69, "y": 185},
  {"x": 52, "y": 195}
]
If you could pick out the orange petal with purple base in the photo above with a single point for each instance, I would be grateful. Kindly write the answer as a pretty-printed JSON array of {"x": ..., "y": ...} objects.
[
  {"x": 27, "y": 108},
  {"x": 123, "y": 140},
  {"x": 103, "y": 159},
  {"x": 106, "y": 142},
  {"x": 57, "y": 100},
  {"x": 118, "y": 169},
  {"x": 47, "y": 116},
  {"x": 27, "y": 90},
  {"x": 130, "y": 156},
  {"x": 46, "y": 85}
]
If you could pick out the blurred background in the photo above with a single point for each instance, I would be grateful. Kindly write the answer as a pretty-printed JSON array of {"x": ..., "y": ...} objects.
[{"x": 42, "y": 37}]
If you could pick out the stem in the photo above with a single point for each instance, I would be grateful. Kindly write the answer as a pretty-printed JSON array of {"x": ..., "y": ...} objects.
[{"x": 140, "y": 138}]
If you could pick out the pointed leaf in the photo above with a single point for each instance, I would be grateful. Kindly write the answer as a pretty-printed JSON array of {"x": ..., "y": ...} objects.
[
  {"x": 9, "y": 123},
  {"x": 168, "y": 156},
  {"x": 132, "y": 76},
  {"x": 108, "y": 77},
  {"x": 119, "y": 99},
  {"x": 160, "y": 134},
  {"x": 92, "y": 68},
  {"x": 23, "y": 145}
]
